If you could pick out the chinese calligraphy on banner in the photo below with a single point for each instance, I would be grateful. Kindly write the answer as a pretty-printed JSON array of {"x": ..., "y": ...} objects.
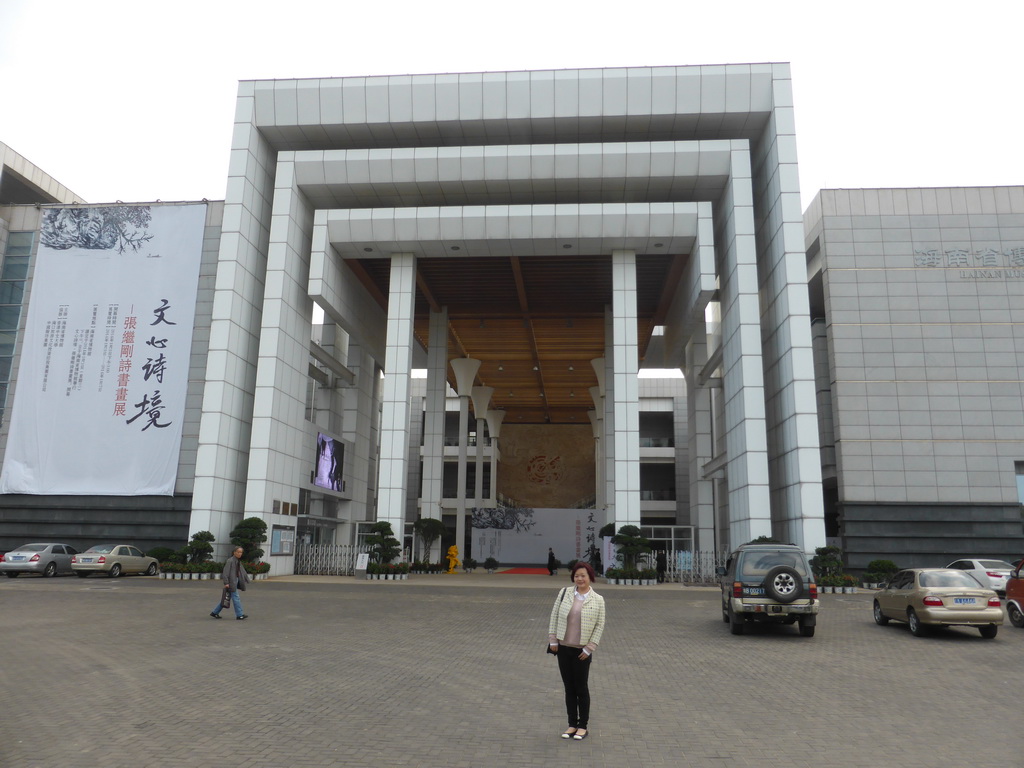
[{"x": 103, "y": 375}]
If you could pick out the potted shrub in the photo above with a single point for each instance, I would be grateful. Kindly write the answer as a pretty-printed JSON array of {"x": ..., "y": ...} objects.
[
  {"x": 649, "y": 576},
  {"x": 248, "y": 535},
  {"x": 631, "y": 544},
  {"x": 827, "y": 563},
  {"x": 491, "y": 564},
  {"x": 429, "y": 530},
  {"x": 468, "y": 564},
  {"x": 849, "y": 583},
  {"x": 880, "y": 571}
]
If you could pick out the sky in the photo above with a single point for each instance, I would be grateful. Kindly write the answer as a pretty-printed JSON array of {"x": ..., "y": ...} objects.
[{"x": 134, "y": 101}]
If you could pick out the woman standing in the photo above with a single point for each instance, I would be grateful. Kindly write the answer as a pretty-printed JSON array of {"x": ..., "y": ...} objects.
[
  {"x": 235, "y": 578},
  {"x": 574, "y": 630}
]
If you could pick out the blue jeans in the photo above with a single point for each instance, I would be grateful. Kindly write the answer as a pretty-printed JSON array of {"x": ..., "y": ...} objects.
[{"x": 236, "y": 601}]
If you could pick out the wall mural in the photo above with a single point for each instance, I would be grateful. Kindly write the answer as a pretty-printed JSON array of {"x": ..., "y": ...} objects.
[{"x": 544, "y": 465}]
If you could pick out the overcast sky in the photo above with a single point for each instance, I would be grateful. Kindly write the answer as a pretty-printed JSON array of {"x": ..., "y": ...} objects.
[{"x": 129, "y": 100}]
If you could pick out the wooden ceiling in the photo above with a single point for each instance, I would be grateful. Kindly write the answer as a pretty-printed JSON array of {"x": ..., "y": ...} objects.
[{"x": 535, "y": 323}]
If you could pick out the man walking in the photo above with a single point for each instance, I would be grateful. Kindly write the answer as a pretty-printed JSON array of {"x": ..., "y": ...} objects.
[{"x": 235, "y": 578}]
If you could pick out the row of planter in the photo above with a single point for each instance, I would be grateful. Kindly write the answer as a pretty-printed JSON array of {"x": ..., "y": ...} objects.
[
  {"x": 387, "y": 576},
  {"x": 206, "y": 576},
  {"x": 630, "y": 582},
  {"x": 838, "y": 590}
]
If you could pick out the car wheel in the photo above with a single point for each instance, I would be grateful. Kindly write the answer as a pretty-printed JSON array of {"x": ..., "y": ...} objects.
[
  {"x": 115, "y": 570},
  {"x": 735, "y": 624},
  {"x": 989, "y": 631},
  {"x": 81, "y": 575},
  {"x": 51, "y": 570},
  {"x": 806, "y": 628},
  {"x": 783, "y": 584},
  {"x": 917, "y": 629},
  {"x": 880, "y": 618},
  {"x": 1016, "y": 617},
  {"x": 11, "y": 574},
  {"x": 151, "y": 571}
]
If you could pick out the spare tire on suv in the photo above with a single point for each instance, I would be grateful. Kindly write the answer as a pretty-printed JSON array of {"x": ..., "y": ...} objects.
[{"x": 769, "y": 584}]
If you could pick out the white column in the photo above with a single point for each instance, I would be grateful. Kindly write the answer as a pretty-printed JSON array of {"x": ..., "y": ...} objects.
[
  {"x": 700, "y": 444},
  {"x": 742, "y": 366},
  {"x": 433, "y": 428},
  {"x": 465, "y": 369},
  {"x": 494, "y": 419},
  {"x": 481, "y": 400},
  {"x": 626, "y": 390},
  {"x": 394, "y": 427},
  {"x": 596, "y": 417}
]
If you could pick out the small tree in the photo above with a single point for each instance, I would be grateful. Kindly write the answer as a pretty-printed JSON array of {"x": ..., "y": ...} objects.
[
  {"x": 200, "y": 548},
  {"x": 631, "y": 544},
  {"x": 248, "y": 535},
  {"x": 827, "y": 564},
  {"x": 382, "y": 540},
  {"x": 429, "y": 529}
]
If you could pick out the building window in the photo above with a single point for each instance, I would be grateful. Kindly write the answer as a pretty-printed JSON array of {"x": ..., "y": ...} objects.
[{"x": 12, "y": 291}]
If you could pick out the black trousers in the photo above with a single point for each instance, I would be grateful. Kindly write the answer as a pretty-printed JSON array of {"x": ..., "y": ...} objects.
[{"x": 575, "y": 676}]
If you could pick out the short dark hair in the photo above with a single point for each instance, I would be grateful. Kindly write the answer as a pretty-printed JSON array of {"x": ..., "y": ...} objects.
[{"x": 585, "y": 566}]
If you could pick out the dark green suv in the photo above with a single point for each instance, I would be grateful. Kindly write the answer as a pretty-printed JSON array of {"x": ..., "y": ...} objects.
[{"x": 769, "y": 583}]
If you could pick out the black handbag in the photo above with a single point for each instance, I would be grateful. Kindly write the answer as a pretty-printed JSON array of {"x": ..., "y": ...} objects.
[{"x": 225, "y": 598}]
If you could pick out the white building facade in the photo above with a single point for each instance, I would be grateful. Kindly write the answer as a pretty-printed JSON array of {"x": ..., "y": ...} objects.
[{"x": 328, "y": 175}]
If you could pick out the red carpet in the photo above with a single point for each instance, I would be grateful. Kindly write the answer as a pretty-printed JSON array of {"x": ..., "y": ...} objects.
[{"x": 528, "y": 571}]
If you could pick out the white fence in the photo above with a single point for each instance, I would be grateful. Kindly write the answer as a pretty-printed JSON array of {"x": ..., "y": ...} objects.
[
  {"x": 326, "y": 559},
  {"x": 689, "y": 567}
]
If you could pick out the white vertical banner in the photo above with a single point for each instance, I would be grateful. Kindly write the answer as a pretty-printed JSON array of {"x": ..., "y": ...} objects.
[{"x": 103, "y": 372}]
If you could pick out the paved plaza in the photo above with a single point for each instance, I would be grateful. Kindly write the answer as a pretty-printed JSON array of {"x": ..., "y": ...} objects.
[{"x": 450, "y": 672}]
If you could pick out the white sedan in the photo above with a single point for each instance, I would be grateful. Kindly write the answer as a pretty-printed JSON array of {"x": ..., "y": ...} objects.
[{"x": 989, "y": 573}]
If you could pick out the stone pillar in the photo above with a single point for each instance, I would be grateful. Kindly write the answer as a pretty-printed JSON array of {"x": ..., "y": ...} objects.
[
  {"x": 394, "y": 428},
  {"x": 465, "y": 369},
  {"x": 481, "y": 399},
  {"x": 625, "y": 389},
  {"x": 494, "y": 419},
  {"x": 433, "y": 428}
]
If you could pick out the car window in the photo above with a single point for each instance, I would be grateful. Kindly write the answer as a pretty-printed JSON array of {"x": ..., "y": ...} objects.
[
  {"x": 961, "y": 564},
  {"x": 101, "y": 549},
  {"x": 135, "y": 552},
  {"x": 71, "y": 550},
  {"x": 754, "y": 566},
  {"x": 32, "y": 548},
  {"x": 902, "y": 580},
  {"x": 58, "y": 549},
  {"x": 123, "y": 551},
  {"x": 999, "y": 565},
  {"x": 948, "y": 579}
]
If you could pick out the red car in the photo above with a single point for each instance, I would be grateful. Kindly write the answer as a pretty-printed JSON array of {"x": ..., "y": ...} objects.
[{"x": 1015, "y": 595}]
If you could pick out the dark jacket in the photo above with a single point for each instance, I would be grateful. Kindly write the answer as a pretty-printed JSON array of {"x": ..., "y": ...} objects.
[{"x": 234, "y": 574}]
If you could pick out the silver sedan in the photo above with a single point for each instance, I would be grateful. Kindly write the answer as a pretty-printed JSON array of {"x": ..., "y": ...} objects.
[{"x": 47, "y": 559}]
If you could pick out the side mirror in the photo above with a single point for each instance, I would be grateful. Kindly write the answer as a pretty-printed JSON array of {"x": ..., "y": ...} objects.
[{"x": 720, "y": 570}]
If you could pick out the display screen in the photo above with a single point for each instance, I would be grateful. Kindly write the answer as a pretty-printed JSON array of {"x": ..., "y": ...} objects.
[{"x": 330, "y": 460}]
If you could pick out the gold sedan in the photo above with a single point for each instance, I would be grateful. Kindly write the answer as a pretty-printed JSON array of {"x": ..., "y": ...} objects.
[{"x": 926, "y": 598}]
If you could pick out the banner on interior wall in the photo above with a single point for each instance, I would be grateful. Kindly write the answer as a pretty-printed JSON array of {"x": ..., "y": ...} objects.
[
  {"x": 522, "y": 535},
  {"x": 103, "y": 374}
]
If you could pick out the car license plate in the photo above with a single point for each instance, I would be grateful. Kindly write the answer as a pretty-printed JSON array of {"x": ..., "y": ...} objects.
[
  {"x": 753, "y": 590},
  {"x": 963, "y": 601},
  {"x": 17, "y": 559},
  {"x": 85, "y": 559}
]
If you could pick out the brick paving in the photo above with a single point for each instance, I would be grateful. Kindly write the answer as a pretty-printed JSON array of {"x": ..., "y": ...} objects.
[{"x": 450, "y": 671}]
